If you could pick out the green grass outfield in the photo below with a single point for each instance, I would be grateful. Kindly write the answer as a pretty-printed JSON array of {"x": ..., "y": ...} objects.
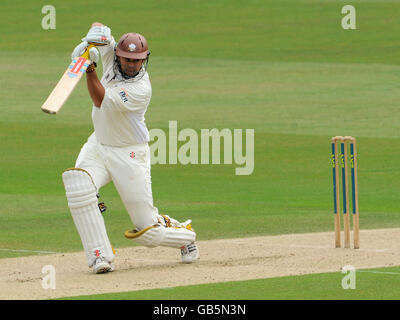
[
  {"x": 369, "y": 284},
  {"x": 284, "y": 68}
]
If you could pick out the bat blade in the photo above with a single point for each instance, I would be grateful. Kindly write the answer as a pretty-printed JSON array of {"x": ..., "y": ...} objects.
[{"x": 65, "y": 85}]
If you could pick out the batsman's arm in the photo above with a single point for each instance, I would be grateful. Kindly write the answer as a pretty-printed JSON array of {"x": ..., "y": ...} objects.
[{"x": 96, "y": 89}]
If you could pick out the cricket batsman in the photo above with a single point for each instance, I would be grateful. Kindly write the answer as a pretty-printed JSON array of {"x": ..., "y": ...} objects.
[{"x": 118, "y": 151}]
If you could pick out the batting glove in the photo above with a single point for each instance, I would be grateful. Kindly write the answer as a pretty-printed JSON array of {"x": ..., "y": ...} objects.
[
  {"x": 81, "y": 48},
  {"x": 99, "y": 35}
]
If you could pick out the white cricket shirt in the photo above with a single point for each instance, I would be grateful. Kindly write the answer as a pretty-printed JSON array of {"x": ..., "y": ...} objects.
[{"x": 120, "y": 121}]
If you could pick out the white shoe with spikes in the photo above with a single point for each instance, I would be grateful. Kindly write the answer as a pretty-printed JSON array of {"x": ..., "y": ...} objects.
[{"x": 190, "y": 253}]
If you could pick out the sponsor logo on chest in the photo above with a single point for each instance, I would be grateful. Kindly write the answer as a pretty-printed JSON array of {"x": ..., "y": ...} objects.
[{"x": 123, "y": 96}]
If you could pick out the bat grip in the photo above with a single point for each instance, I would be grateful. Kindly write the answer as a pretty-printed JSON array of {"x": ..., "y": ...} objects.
[{"x": 86, "y": 53}]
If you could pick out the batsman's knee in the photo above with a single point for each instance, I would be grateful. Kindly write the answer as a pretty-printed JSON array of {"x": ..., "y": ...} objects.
[{"x": 79, "y": 188}]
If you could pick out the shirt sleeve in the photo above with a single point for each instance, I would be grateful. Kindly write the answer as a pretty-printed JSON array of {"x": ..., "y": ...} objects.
[
  {"x": 122, "y": 99},
  {"x": 107, "y": 53}
]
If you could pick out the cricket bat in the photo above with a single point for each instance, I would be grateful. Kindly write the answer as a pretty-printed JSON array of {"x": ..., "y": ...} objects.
[{"x": 67, "y": 83}]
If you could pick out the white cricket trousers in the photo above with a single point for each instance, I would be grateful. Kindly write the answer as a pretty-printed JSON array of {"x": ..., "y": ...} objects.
[{"x": 129, "y": 169}]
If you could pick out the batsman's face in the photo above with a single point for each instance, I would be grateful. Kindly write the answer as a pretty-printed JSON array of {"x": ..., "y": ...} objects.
[{"x": 130, "y": 66}]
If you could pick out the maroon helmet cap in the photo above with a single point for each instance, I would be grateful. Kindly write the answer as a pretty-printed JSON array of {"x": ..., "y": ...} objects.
[{"x": 132, "y": 46}]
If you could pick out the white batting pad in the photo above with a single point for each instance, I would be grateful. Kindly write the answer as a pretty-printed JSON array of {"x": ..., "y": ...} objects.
[
  {"x": 159, "y": 235},
  {"x": 82, "y": 201}
]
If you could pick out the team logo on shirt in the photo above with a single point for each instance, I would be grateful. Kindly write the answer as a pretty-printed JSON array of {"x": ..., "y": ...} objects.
[
  {"x": 132, "y": 155},
  {"x": 123, "y": 95}
]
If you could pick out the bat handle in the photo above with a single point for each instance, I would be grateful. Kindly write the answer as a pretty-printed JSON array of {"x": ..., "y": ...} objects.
[{"x": 86, "y": 53}]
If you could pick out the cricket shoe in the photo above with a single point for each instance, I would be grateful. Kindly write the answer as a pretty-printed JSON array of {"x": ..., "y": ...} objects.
[
  {"x": 190, "y": 253},
  {"x": 102, "y": 266}
]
